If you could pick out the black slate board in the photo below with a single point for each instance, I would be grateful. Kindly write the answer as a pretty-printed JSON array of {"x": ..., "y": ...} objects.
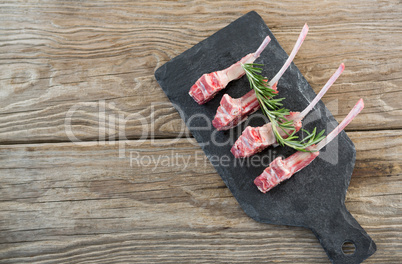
[{"x": 312, "y": 198}]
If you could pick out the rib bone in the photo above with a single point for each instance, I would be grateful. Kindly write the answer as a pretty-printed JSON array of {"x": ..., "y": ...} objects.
[
  {"x": 225, "y": 122},
  {"x": 280, "y": 170},
  {"x": 209, "y": 84},
  {"x": 255, "y": 139}
]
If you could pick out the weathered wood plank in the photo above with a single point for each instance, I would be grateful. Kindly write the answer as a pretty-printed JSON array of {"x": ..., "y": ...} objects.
[
  {"x": 55, "y": 55},
  {"x": 82, "y": 203}
]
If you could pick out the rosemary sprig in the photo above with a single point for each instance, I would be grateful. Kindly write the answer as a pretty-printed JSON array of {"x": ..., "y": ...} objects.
[{"x": 273, "y": 109}]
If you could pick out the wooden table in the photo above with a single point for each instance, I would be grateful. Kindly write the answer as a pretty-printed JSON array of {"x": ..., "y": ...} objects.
[{"x": 84, "y": 72}]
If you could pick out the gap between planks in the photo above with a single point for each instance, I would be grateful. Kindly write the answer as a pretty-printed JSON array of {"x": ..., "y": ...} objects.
[{"x": 106, "y": 142}]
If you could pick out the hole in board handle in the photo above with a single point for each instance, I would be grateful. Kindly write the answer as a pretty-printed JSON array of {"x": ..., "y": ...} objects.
[{"x": 348, "y": 248}]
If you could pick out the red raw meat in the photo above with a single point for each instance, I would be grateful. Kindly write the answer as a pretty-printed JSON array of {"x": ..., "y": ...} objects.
[
  {"x": 206, "y": 87},
  {"x": 255, "y": 139},
  {"x": 280, "y": 170},
  {"x": 223, "y": 123},
  {"x": 232, "y": 112}
]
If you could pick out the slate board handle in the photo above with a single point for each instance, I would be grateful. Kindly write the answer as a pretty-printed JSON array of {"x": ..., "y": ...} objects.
[{"x": 342, "y": 227}]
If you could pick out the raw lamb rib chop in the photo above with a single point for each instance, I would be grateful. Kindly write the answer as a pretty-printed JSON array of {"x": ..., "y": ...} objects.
[
  {"x": 232, "y": 112},
  {"x": 255, "y": 139},
  {"x": 280, "y": 170},
  {"x": 209, "y": 84}
]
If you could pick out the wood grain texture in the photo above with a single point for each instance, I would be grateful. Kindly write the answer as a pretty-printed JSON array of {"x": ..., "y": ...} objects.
[
  {"x": 84, "y": 71},
  {"x": 64, "y": 203},
  {"x": 55, "y": 55}
]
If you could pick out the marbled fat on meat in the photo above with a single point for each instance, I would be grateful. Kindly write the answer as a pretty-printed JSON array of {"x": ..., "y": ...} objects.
[
  {"x": 272, "y": 84},
  {"x": 255, "y": 139},
  {"x": 279, "y": 170},
  {"x": 246, "y": 105},
  {"x": 209, "y": 84},
  {"x": 250, "y": 142}
]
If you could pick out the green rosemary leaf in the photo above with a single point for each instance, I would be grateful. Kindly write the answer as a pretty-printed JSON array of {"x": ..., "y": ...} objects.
[{"x": 272, "y": 108}]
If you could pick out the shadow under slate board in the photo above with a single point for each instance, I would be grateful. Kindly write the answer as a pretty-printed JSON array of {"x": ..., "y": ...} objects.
[{"x": 312, "y": 198}]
